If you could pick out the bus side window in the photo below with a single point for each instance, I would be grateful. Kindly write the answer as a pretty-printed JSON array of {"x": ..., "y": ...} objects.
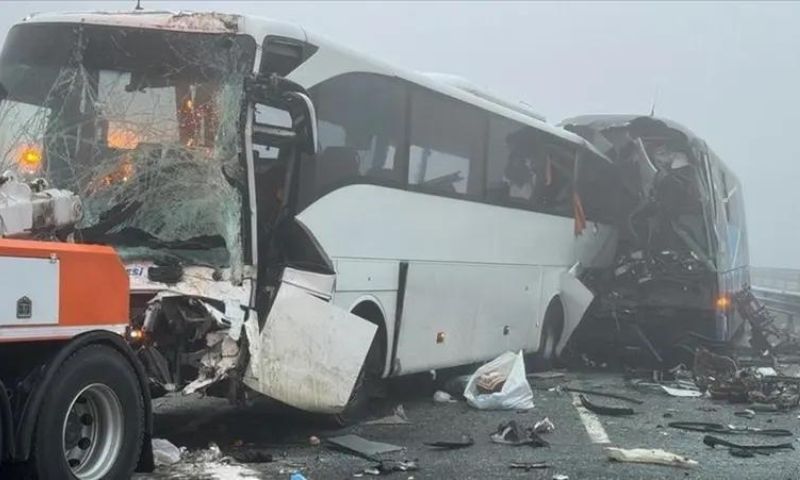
[
  {"x": 361, "y": 119},
  {"x": 446, "y": 151}
]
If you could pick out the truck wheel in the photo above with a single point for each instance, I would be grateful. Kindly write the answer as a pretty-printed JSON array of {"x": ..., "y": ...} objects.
[{"x": 91, "y": 423}]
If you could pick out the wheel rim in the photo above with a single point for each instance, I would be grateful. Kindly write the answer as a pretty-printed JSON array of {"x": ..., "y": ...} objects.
[{"x": 92, "y": 432}]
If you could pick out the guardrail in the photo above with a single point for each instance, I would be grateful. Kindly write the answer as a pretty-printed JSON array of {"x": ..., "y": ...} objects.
[{"x": 785, "y": 303}]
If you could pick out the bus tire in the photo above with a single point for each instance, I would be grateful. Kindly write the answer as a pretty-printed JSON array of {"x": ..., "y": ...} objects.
[
  {"x": 370, "y": 375},
  {"x": 91, "y": 424},
  {"x": 552, "y": 326}
]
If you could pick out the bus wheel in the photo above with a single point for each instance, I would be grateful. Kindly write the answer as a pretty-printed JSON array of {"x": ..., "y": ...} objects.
[
  {"x": 551, "y": 334},
  {"x": 91, "y": 424},
  {"x": 369, "y": 379}
]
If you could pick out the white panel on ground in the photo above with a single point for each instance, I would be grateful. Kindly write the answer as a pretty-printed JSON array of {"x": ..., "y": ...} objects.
[
  {"x": 30, "y": 296},
  {"x": 309, "y": 352}
]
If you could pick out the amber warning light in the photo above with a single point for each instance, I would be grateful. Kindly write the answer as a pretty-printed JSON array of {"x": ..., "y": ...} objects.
[{"x": 29, "y": 158}]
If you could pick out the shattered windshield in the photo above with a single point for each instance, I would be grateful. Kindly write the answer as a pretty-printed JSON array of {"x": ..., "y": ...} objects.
[{"x": 142, "y": 124}]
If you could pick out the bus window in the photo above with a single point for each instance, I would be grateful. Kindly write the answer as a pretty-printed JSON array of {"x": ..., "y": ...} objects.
[
  {"x": 446, "y": 147},
  {"x": 361, "y": 120},
  {"x": 526, "y": 171}
]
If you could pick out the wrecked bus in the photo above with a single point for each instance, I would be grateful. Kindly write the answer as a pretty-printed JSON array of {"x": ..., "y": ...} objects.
[
  {"x": 681, "y": 252},
  {"x": 296, "y": 219}
]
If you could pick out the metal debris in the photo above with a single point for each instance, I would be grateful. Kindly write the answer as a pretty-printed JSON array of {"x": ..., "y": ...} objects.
[
  {"x": 544, "y": 426},
  {"x": 397, "y": 418},
  {"x": 362, "y": 447}
]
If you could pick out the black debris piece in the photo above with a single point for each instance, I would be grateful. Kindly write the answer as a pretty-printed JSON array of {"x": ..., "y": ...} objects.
[
  {"x": 604, "y": 394},
  {"x": 463, "y": 442},
  {"x": 528, "y": 466},
  {"x": 713, "y": 442},
  {"x": 707, "y": 427},
  {"x": 605, "y": 410},
  {"x": 361, "y": 446}
]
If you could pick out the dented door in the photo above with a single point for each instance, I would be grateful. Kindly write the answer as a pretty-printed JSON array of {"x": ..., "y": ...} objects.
[{"x": 308, "y": 353}]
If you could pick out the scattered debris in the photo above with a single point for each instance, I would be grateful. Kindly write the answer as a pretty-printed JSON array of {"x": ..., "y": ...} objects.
[
  {"x": 648, "y": 455},
  {"x": 313, "y": 440},
  {"x": 713, "y": 442},
  {"x": 361, "y": 446},
  {"x": 463, "y": 442},
  {"x": 603, "y": 394},
  {"x": 397, "y": 418},
  {"x": 681, "y": 392},
  {"x": 747, "y": 413},
  {"x": 506, "y": 376},
  {"x": 559, "y": 476},
  {"x": 252, "y": 455},
  {"x": 605, "y": 410},
  {"x": 528, "y": 466},
  {"x": 440, "y": 396},
  {"x": 390, "y": 466},
  {"x": 544, "y": 426},
  {"x": 297, "y": 476},
  {"x": 510, "y": 433},
  {"x": 706, "y": 427},
  {"x": 165, "y": 453}
]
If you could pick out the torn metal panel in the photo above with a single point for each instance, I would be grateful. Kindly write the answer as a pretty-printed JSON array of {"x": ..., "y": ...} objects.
[
  {"x": 318, "y": 284},
  {"x": 575, "y": 298},
  {"x": 309, "y": 352}
]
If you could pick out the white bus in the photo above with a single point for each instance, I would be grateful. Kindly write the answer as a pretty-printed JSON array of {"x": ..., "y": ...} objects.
[{"x": 444, "y": 216}]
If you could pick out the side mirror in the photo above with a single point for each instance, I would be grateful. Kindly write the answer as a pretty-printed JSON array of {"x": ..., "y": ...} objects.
[{"x": 279, "y": 93}]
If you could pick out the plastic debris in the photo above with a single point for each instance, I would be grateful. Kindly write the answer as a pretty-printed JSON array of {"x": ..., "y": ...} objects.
[
  {"x": 681, "y": 392},
  {"x": 165, "y": 453},
  {"x": 313, "y": 440},
  {"x": 729, "y": 429},
  {"x": 559, "y": 476},
  {"x": 511, "y": 433},
  {"x": 754, "y": 449},
  {"x": 297, "y": 476},
  {"x": 440, "y": 396},
  {"x": 505, "y": 375},
  {"x": 649, "y": 455},
  {"x": 544, "y": 426}
]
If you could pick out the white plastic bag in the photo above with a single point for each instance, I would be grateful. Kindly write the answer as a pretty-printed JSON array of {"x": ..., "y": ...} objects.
[
  {"x": 164, "y": 452},
  {"x": 515, "y": 394}
]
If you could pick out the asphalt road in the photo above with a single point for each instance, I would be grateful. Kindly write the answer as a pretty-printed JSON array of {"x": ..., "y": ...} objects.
[{"x": 573, "y": 449}]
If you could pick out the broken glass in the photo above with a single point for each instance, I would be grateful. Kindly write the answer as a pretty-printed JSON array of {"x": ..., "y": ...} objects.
[{"x": 143, "y": 124}]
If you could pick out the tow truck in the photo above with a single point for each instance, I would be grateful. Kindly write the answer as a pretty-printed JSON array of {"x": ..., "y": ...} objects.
[{"x": 74, "y": 399}]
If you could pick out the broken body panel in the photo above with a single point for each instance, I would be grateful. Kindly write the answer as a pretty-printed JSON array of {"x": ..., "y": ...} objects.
[{"x": 681, "y": 254}]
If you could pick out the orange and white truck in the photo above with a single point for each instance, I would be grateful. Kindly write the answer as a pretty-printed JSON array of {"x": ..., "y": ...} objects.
[{"x": 74, "y": 399}]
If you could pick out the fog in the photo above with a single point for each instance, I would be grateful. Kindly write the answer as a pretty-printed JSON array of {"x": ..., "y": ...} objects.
[{"x": 728, "y": 71}]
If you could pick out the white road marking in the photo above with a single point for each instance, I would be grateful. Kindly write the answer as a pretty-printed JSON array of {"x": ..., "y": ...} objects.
[{"x": 597, "y": 434}]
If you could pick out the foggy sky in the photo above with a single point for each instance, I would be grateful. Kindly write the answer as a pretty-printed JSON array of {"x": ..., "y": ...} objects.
[{"x": 728, "y": 71}]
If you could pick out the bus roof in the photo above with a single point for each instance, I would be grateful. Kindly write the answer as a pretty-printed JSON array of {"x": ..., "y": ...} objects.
[{"x": 344, "y": 59}]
